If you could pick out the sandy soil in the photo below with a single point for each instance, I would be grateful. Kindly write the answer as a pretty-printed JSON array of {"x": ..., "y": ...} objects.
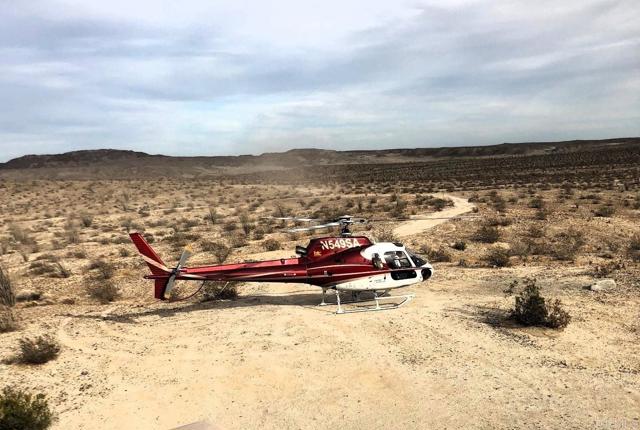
[{"x": 273, "y": 359}]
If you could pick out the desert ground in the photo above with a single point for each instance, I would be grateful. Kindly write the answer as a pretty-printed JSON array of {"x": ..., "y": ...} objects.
[{"x": 453, "y": 357}]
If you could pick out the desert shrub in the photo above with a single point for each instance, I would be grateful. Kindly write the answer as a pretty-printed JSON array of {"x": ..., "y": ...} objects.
[
  {"x": 258, "y": 233},
  {"x": 7, "y": 319},
  {"x": 86, "y": 219},
  {"x": 385, "y": 234},
  {"x": 215, "y": 290},
  {"x": 271, "y": 245},
  {"x": 102, "y": 290},
  {"x": 460, "y": 245},
  {"x": 531, "y": 309},
  {"x": 536, "y": 231},
  {"x": 536, "y": 203},
  {"x": 604, "y": 211},
  {"x": 38, "y": 350},
  {"x": 246, "y": 224},
  {"x": 212, "y": 216},
  {"x": 567, "y": 245},
  {"x": 103, "y": 269},
  {"x": 486, "y": 234},
  {"x": 557, "y": 316},
  {"x": 123, "y": 252},
  {"x": 633, "y": 249},
  {"x": 238, "y": 240},
  {"x": 437, "y": 255},
  {"x": 219, "y": 250},
  {"x": 22, "y": 410},
  {"x": 7, "y": 293},
  {"x": 498, "y": 257},
  {"x": 502, "y": 221}
]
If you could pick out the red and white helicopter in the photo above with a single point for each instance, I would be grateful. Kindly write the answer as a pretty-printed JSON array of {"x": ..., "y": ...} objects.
[{"x": 345, "y": 263}]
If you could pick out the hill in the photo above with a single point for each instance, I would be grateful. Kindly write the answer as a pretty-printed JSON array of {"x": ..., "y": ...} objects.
[{"x": 111, "y": 163}]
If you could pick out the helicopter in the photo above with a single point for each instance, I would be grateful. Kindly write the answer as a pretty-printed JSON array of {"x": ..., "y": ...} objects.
[{"x": 344, "y": 263}]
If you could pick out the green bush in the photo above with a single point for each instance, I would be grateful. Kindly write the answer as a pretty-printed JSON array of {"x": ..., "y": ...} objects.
[
  {"x": 20, "y": 410},
  {"x": 531, "y": 309}
]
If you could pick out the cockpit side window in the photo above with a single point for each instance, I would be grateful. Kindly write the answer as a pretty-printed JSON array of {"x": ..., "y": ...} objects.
[{"x": 397, "y": 259}]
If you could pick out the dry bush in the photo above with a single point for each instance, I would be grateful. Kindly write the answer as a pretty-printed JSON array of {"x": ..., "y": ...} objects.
[
  {"x": 212, "y": 216},
  {"x": 531, "y": 309},
  {"x": 7, "y": 293},
  {"x": 38, "y": 350},
  {"x": 498, "y": 256},
  {"x": 271, "y": 245},
  {"x": 238, "y": 240},
  {"x": 459, "y": 245},
  {"x": 86, "y": 219},
  {"x": 436, "y": 255},
  {"x": 219, "y": 250},
  {"x": 486, "y": 234},
  {"x": 21, "y": 410},
  {"x": 104, "y": 291},
  {"x": 103, "y": 269},
  {"x": 567, "y": 245},
  {"x": 633, "y": 249},
  {"x": 215, "y": 290},
  {"x": 385, "y": 234},
  {"x": 7, "y": 319},
  {"x": 605, "y": 211},
  {"x": 246, "y": 224}
]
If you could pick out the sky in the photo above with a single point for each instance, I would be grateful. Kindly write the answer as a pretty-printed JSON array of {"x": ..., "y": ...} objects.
[{"x": 207, "y": 77}]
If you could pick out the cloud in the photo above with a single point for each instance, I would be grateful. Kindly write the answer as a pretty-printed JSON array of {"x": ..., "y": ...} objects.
[{"x": 222, "y": 78}]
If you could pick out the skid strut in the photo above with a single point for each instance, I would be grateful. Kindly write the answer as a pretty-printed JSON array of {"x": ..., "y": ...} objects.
[{"x": 381, "y": 302}]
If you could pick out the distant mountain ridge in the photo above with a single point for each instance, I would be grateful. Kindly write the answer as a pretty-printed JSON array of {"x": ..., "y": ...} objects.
[{"x": 126, "y": 164}]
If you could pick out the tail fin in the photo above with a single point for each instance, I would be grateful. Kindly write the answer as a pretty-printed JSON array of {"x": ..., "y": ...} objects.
[{"x": 155, "y": 263}]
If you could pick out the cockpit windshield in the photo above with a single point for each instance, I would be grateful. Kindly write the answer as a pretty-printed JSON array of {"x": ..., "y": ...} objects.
[{"x": 419, "y": 261}]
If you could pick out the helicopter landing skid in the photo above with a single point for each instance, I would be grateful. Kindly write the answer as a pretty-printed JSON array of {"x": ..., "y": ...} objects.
[{"x": 381, "y": 303}]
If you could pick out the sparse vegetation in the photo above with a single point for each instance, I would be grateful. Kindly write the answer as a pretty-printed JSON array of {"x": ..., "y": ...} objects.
[
  {"x": 271, "y": 245},
  {"x": 21, "y": 410},
  {"x": 214, "y": 290},
  {"x": 498, "y": 256},
  {"x": 37, "y": 350},
  {"x": 487, "y": 234},
  {"x": 103, "y": 290}
]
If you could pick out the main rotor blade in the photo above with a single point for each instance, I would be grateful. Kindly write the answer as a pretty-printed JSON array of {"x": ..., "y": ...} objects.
[
  {"x": 292, "y": 218},
  {"x": 424, "y": 218},
  {"x": 314, "y": 227}
]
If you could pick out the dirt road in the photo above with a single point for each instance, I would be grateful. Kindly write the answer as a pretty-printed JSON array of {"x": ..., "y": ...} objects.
[{"x": 460, "y": 206}]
